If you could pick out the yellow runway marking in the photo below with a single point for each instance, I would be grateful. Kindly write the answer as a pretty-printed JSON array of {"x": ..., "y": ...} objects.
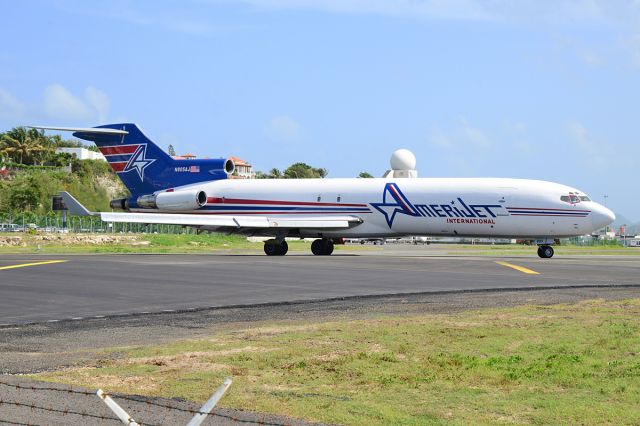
[
  {"x": 519, "y": 268},
  {"x": 23, "y": 265}
]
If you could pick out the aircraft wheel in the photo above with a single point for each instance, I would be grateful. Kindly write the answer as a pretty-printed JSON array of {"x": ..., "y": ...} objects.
[
  {"x": 322, "y": 247},
  {"x": 328, "y": 247},
  {"x": 284, "y": 248},
  {"x": 272, "y": 248},
  {"x": 545, "y": 252},
  {"x": 316, "y": 247}
]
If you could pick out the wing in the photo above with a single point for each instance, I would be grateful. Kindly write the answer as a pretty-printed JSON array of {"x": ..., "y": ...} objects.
[
  {"x": 235, "y": 222},
  {"x": 232, "y": 223}
]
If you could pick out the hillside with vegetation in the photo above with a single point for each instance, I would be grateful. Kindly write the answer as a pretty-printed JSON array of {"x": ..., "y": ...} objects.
[{"x": 31, "y": 171}]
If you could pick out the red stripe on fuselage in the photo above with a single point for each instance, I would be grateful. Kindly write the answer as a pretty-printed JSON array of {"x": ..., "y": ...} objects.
[
  {"x": 118, "y": 149},
  {"x": 541, "y": 208},
  {"x": 242, "y": 213},
  {"x": 217, "y": 200},
  {"x": 550, "y": 215}
]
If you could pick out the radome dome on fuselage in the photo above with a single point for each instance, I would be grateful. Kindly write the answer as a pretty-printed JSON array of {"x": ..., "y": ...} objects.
[{"x": 199, "y": 193}]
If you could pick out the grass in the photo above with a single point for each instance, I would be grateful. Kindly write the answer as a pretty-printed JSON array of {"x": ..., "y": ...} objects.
[
  {"x": 140, "y": 243},
  {"x": 559, "y": 364},
  {"x": 206, "y": 243}
]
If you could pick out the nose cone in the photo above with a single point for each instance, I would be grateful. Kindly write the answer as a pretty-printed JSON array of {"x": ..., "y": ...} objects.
[{"x": 601, "y": 216}]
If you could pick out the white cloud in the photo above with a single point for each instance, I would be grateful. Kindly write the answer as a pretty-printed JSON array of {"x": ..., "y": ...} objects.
[
  {"x": 458, "y": 136},
  {"x": 559, "y": 11},
  {"x": 439, "y": 138},
  {"x": 587, "y": 147},
  {"x": 58, "y": 104},
  {"x": 518, "y": 132},
  {"x": 473, "y": 134},
  {"x": 10, "y": 107},
  {"x": 447, "y": 9},
  {"x": 99, "y": 101},
  {"x": 157, "y": 16},
  {"x": 635, "y": 49},
  {"x": 283, "y": 129}
]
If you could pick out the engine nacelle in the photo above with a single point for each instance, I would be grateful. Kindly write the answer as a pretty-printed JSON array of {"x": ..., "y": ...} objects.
[
  {"x": 119, "y": 204},
  {"x": 190, "y": 199}
]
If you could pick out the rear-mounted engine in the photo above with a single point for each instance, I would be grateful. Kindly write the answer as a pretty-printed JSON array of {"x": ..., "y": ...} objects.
[{"x": 173, "y": 201}]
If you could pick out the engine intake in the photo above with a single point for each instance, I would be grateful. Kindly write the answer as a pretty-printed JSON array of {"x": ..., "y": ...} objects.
[{"x": 173, "y": 201}]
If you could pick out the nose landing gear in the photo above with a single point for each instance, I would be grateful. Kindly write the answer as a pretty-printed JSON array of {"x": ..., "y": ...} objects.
[
  {"x": 323, "y": 247},
  {"x": 545, "y": 252}
]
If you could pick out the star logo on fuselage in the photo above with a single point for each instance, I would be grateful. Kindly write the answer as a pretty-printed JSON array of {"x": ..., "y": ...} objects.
[
  {"x": 138, "y": 162},
  {"x": 394, "y": 202}
]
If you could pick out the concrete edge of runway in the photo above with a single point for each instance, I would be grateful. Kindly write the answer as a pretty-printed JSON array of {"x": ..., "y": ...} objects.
[{"x": 312, "y": 301}]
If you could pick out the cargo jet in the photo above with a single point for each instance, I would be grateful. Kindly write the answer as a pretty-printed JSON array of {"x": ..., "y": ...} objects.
[{"x": 202, "y": 194}]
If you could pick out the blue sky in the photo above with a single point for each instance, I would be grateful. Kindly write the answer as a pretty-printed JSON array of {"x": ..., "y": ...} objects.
[{"x": 529, "y": 89}]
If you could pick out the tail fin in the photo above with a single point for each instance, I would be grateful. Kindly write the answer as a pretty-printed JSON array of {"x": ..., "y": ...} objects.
[{"x": 143, "y": 166}]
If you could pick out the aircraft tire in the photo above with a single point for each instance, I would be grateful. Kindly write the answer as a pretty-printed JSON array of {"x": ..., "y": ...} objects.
[
  {"x": 316, "y": 247},
  {"x": 272, "y": 248},
  {"x": 283, "y": 248},
  {"x": 322, "y": 247},
  {"x": 328, "y": 247},
  {"x": 545, "y": 252}
]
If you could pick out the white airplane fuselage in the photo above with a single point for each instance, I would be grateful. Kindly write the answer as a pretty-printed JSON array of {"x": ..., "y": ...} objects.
[{"x": 388, "y": 207}]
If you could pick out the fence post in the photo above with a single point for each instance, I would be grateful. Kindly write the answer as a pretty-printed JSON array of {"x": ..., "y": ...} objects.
[
  {"x": 122, "y": 415},
  {"x": 210, "y": 404}
]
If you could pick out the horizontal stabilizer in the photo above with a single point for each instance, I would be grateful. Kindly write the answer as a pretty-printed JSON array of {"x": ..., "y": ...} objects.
[
  {"x": 74, "y": 206},
  {"x": 94, "y": 130}
]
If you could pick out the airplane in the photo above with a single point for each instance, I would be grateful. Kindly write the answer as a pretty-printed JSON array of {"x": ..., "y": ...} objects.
[{"x": 201, "y": 193}]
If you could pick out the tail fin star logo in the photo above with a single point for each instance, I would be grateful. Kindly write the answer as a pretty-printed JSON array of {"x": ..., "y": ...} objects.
[
  {"x": 139, "y": 162},
  {"x": 394, "y": 202}
]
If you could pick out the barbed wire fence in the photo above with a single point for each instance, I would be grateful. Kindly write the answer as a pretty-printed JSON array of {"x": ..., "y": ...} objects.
[{"x": 27, "y": 392}]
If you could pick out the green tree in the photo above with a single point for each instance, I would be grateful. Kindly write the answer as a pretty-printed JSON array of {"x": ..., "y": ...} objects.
[
  {"x": 24, "y": 198},
  {"x": 25, "y": 146},
  {"x": 303, "y": 171},
  {"x": 365, "y": 175},
  {"x": 171, "y": 150},
  {"x": 274, "y": 174}
]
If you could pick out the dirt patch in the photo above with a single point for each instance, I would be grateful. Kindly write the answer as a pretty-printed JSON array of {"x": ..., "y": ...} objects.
[{"x": 202, "y": 360}]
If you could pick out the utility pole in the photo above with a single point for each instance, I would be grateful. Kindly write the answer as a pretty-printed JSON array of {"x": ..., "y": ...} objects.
[{"x": 606, "y": 228}]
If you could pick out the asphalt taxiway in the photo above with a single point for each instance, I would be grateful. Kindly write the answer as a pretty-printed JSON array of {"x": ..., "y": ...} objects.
[{"x": 53, "y": 288}]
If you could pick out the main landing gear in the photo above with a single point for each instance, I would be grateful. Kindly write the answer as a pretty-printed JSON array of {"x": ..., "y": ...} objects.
[
  {"x": 322, "y": 247},
  {"x": 275, "y": 248},
  {"x": 545, "y": 252}
]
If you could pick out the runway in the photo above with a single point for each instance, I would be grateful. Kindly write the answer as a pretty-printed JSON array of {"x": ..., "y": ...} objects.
[{"x": 51, "y": 288}]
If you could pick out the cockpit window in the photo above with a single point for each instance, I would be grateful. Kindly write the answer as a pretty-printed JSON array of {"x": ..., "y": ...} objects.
[{"x": 574, "y": 198}]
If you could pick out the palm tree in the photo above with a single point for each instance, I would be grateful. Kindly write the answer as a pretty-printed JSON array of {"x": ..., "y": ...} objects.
[{"x": 21, "y": 145}]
